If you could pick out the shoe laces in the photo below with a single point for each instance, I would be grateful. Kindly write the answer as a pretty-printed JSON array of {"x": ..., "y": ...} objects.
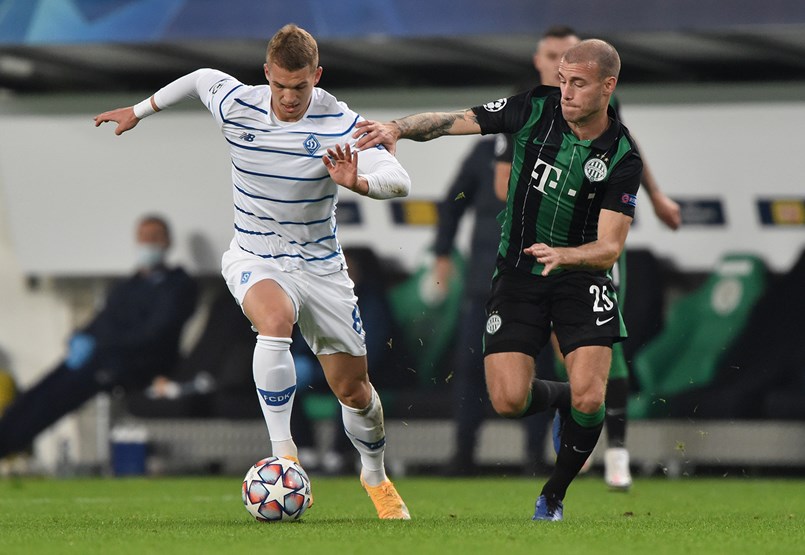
[{"x": 389, "y": 499}]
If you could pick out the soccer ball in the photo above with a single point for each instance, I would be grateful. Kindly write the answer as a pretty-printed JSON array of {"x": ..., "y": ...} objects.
[{"x": 276, "y": 488}]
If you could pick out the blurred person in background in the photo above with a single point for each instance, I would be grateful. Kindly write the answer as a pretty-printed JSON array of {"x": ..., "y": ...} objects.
[
  {"x": 8, "y": 386},
  {"x": 617, "y": 474},
  {"x": 133, "y": 338},
  {"x": 8, "y": 390},
  {"x": 472, "y": 191},
  {"x": 291, "y": 153}
]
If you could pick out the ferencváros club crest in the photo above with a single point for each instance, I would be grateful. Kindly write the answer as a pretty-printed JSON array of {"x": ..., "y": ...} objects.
[
  {"x": 595, "y": 169},
  {"x": 493, "y": 324}
]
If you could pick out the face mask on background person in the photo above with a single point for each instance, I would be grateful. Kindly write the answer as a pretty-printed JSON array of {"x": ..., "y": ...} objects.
[{"x": 150, "y": 256}]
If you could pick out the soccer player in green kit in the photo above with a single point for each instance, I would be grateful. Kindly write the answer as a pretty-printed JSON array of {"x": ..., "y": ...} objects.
[
  {"x": 617, "y": 475},
  {"x": 571, "y": 200}
]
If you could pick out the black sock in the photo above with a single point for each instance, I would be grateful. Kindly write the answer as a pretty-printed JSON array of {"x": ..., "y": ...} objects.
[
  {"x": 578, "y": 443},
  {"x": 617, "y": 394},
  {"x": 546, "y": 394}
]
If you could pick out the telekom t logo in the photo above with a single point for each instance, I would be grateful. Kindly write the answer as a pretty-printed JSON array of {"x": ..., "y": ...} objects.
[{"x": 545, "y": 174}]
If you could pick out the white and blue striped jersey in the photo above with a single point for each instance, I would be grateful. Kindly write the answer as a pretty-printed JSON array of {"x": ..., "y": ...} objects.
[{"x": 284, "y": 198}]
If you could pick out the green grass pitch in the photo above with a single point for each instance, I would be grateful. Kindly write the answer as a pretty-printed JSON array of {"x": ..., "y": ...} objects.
[{"x": 485, "y": 515}]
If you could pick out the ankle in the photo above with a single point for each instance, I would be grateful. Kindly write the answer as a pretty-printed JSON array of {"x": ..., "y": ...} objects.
[{"x": 373, "y": 477}]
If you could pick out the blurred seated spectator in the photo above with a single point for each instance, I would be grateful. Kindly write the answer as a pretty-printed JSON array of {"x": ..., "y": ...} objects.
[
  {"x": 133, "y": 338},
  {"x": 214, "y": 380},
  {"x": 218, "y": 365}
]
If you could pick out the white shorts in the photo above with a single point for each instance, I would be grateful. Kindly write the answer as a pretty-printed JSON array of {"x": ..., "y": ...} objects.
[{"x": 325, "y": 307}]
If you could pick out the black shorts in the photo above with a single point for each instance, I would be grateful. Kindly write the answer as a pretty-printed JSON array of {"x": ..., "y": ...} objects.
[{"x": 581, "y": 306}]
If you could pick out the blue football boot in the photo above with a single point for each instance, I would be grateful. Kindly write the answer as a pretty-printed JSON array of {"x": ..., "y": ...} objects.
[{"x": 545, "y": 510}]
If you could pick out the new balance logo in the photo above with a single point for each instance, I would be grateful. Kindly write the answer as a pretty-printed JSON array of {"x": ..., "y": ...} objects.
[{"x": 248, "y": 137}]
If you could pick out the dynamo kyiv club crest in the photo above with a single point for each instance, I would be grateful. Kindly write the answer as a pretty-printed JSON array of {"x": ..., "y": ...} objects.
[{"x": 312, "y": 144}]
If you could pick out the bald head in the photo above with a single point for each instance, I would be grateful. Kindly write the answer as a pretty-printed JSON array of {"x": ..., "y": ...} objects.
[{"x": 598, "y": 52}]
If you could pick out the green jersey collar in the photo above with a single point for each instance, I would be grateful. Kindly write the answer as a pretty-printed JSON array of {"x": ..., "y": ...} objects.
[{"x": 602, "y": 142}]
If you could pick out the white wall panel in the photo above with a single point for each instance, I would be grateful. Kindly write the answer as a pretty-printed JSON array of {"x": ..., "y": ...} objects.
[{"x": 72, "y": 192}]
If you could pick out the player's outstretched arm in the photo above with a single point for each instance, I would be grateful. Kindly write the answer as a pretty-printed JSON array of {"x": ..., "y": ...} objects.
[
  {"x": 124, "y": 117},
  {"x": 417, "y": 127},
  {"x": 127, "y": 118},
  {"x": 197, "y": 84}
]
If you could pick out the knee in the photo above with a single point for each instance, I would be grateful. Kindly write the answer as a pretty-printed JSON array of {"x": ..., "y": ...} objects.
[
  {"x": 273, "y": 324},
  {"x": 507, "y": 404},
  {"x": 588, "y": 402},
  {"x": 354, "y": 394}
]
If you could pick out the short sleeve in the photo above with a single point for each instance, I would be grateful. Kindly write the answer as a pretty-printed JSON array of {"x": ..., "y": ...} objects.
[
  {"x": 622, "y": 186},
  {"x": 504, "y": 115},
  {"x": 509, "y": 115}
]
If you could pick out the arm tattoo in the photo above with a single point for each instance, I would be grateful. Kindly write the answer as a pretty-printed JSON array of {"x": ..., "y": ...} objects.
[{"x": 427, "y": 126}]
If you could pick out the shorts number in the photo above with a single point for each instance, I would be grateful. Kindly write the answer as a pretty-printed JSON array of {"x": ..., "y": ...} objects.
[{"x": 600, "y": 297}]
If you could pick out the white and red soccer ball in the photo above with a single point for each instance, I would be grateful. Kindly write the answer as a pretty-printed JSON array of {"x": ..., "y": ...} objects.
[{"x": 275, "y": 489}]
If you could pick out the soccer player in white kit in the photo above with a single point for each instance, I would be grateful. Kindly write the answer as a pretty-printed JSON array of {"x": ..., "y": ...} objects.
[{"x": 285, "y": 264}]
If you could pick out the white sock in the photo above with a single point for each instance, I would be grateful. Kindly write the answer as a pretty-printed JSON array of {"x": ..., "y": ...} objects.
[
  {"x": 275, "y": 379},
  {"x": 364, "y": 428}
]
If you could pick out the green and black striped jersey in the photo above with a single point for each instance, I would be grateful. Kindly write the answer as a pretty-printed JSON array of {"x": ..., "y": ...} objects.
[
  {"x": 559, "y": 184},
  {"x": 503, "y": 143}
]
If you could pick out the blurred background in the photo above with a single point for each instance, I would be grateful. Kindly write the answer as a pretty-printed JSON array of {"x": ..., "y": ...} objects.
[{"x": 714, "y": 91}]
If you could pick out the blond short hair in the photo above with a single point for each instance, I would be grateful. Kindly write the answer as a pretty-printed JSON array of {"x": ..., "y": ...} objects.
[
  {"x": 598, "y": 51},
  {"x": 292, "y": 48}
]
